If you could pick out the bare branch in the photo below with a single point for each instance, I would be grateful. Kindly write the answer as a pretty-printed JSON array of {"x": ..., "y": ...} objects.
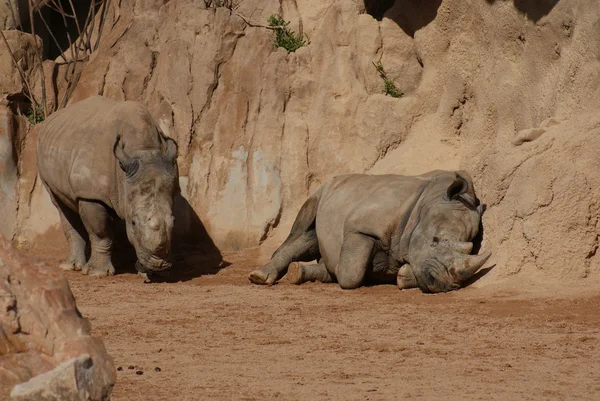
[
  {"x": 38, "y": 53},
  {"x": 380, "y": 70},
  {"x": 52, "y": 5},
  {"x": 105, "y": 7},
  {"x": 62, "y": 54},
  {"x": 88, "y": 27},
  {"x": 76, "y": 20},
  {"x": 121, "y": 35},
  {"x": 255, "y": 24}
]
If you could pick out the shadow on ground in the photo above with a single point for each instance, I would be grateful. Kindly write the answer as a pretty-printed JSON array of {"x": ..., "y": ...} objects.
[{"x": 194, "y": 253}]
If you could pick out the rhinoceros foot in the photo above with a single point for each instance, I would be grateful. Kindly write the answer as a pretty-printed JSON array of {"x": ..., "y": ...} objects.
[
  {"x": 295, "y": 274},
  {"x": 68, "y": 265},
  {"x": 147, "y": 278},
  {"x": 98, "y": 271},
  {"x": 259, "y": 276}
]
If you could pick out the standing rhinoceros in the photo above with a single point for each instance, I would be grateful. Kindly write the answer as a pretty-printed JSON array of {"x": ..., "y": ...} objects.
[
  {"x": 98, "y": 159},
  {"x": 416, "y": 230}
]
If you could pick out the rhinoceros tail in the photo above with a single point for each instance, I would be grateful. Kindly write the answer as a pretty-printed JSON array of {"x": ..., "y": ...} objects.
[
  {"x": 305, "y": 221},
  {"x": 301, "y": 245}
]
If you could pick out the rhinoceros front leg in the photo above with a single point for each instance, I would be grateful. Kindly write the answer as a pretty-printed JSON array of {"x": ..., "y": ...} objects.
[
  {"x": 406, "y": 278},
  {"x": 299, "y": 273},
  {"x": 96, "y": 220},
  {"x": 355, "y": 257},
  {"x": 73, "y": 228}
]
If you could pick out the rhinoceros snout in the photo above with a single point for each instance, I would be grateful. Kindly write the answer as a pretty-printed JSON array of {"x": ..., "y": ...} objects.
[{"x": 152, "y": 264}]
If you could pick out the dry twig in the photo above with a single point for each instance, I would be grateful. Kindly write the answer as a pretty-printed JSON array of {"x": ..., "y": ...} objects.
[
  {"x": 38, "y": 53},
  {"x": 254, "y": 24}
]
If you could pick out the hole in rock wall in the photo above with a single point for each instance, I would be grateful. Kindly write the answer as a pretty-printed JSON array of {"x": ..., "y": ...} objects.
[
  {"x": 377, "y": 8},
  {"x": 533, "y": 9},
  {"x": 410, "y": 15},
  {"x": 55, "y": 19}
]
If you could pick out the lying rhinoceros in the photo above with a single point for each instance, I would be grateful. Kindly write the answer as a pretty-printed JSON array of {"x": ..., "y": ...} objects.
[
  {"x": 415, "y": 230},
  {"x": 98, "y": 159}
]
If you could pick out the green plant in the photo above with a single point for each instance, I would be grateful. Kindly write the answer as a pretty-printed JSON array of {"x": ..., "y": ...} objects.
[
  {"x": 284, "y": 36},
  {"x": 218, "y": 3},
  {"x": 35, "y": 115},
  {"x": 390, "y": 88}
]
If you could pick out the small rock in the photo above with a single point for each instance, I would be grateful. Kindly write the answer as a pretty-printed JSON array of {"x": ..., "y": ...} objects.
[
  {"x": 157, "y": 369},
  {"x": 131, "y": 367},
  {"x": 139, "y": 373},
  {"x": 120, "y": 368}
]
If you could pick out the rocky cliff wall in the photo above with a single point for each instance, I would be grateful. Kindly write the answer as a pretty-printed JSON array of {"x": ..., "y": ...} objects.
[{"x": 507, "y": 90}]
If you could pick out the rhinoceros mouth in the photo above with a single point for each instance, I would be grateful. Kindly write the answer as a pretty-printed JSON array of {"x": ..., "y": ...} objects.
[{"x": 152, "y": 264}]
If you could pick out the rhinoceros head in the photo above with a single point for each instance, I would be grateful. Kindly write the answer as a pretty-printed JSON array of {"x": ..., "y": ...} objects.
[
  {"x": 439, "y": 248},
  {"x": 151, "y": 184}
]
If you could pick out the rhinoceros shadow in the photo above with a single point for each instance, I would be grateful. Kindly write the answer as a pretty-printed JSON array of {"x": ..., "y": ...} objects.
[{"x": 194, "y": 253}]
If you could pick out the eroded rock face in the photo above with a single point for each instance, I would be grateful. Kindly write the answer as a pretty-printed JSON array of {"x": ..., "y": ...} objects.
[
  {"x": 40, "y": 328},
  {"x": 261, "y": 129},
  {"x": 13, "y": 13},
  {"x": 8, "y": 171}
]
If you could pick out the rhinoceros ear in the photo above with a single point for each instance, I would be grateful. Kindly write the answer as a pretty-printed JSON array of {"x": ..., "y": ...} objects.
[
  {"x": 128, "y": 164},
  {"x": 170, "y": 147},
  {"x": 461, "y": 189}
]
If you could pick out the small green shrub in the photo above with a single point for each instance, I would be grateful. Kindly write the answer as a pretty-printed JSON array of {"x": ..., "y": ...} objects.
[
  {"x": 284, "y": 36},
  {"x": 218, "y": 3},
  {"x": 390, "y": 88},
  {"x": 35, "y": 117}
]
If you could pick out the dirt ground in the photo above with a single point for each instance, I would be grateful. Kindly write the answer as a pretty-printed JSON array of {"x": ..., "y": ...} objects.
[{"x": 217, "y": 337}]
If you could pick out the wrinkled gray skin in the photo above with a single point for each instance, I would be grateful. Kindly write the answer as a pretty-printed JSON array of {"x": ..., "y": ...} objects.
[
  {"x": 100, "y": 159},
  {"x": 414, "y": 230}
]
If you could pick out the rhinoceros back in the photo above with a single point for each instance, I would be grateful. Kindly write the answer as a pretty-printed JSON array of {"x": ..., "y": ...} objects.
[
  {"x": 371, "y": 204},
  {"x": 75, "y": 148}
]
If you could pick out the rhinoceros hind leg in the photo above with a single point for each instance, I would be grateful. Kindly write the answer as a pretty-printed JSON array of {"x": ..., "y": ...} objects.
[
  {"x": 298, "y": 273},
  {"x": 96, "y": 218},
  {"x": 75, "y": 233},
  {"x": 300, "y": 245}
]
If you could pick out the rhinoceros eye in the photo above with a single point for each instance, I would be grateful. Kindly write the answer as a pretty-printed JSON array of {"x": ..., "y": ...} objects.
[
  {"x": 435, "y": 240},
  {"x": 133, "y": 222}
]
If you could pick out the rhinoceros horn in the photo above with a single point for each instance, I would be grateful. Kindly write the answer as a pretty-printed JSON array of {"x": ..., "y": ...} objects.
[
  {"x": 463, "y": 247},
  {"x": 467, "y": 266}
]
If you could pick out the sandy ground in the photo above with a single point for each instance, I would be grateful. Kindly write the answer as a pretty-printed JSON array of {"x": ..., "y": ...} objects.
[{"x": 216, "y": 337}]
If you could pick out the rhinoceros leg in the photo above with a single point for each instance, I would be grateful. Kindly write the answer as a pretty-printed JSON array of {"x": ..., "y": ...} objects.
[
  {"x": 298, "y": 273},
  {"x": 73, "y": 228},
  {"x": 301, "y": 245},
  {"x": 96, "y": 221},
  {"x": 355, "y": 257}
]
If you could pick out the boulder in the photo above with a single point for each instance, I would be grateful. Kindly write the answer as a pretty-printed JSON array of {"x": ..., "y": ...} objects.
[
  {"x": 44, "y": 341},
  {"x": 23, "y": 47}
]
